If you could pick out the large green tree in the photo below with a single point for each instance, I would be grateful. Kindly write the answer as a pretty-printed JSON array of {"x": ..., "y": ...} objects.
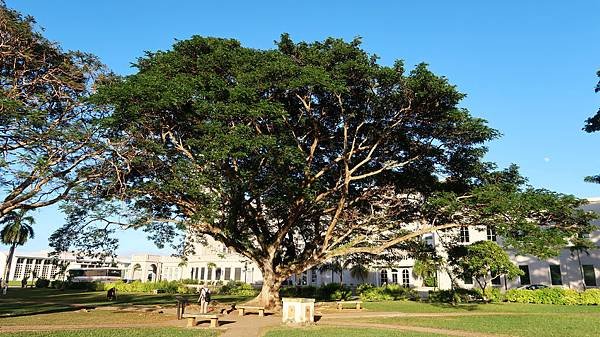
[
  {"x": 48, "y": 142},
  {"x": 592, "y": 124},
  {"x": 300, "y": 154},
  {"x": 18, "y": 228}
]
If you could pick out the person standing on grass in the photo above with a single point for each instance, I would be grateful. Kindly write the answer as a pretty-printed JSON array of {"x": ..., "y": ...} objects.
[
  {"x": 204, "y": 299},
  {"x": 4, "y": 287}
]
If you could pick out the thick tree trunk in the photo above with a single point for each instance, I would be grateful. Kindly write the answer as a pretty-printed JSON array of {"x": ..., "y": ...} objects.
[
  {"x": 11, "y": 253},
  {"x": 269, "y": 294}
]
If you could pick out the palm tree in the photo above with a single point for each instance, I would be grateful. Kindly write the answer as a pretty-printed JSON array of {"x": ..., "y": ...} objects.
[
  {"x": 17, "y": 230},
  {"x": 333, "y": 266},
  {"x": 359, "y": 271}
]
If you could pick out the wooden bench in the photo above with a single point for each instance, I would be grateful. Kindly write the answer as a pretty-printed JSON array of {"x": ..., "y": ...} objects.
[
  {"x": 193, "y": 319},
  {"x": 340, "y": 304},
  {"x": 243, "y": 308}
]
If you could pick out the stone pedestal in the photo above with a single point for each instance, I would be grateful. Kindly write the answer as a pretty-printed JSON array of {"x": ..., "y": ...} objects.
[{"x": 298, "y": 310}]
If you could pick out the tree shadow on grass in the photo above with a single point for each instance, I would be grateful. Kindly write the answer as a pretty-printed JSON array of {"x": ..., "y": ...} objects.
[{"x": 460, "y": 306}]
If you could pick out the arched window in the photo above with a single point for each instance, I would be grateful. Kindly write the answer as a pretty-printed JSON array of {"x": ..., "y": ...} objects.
[
  {"x": 395, "y": 276},
  {"x": 384, "y": 277},
  {"x": 405, "y": 278}
]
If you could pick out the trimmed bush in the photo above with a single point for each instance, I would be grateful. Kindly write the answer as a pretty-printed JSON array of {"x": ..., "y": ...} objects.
[
  {"x": 390, "y": 292},
  {"x": 42, "y": 283},
  {"x": 554, "y": 296},
  {"x": 458, "y": 295},
  {"x": 333, "y": 292},
  {"x": 238, "y": 289},
  {"x": 327, "y": 292}
]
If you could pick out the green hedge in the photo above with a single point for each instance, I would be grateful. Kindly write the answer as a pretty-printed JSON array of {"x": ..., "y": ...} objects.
[
  {"x": 327, "y": 292},
  {"x": 390, "y": 292},
  {"x": 458, "y": 295},
  {"x": 42, "y": 283},
  {"x": 238, "y": 289},
  {"x": 554, "y": 296}
]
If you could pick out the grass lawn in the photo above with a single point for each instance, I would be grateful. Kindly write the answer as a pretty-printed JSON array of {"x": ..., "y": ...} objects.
[
  {"x": 560, "y": 324},
  {"x": 19, "y": 302},
  {"x": 422, "y": 307},
  {"x": 342, "y": 332},
  {"x": 161, "y": 332}
]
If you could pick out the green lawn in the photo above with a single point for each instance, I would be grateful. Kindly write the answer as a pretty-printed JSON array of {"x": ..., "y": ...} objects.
[
  {"x": 516, "y": 324},
  {"x": 159, "y": 332},
  {"x": 422, "y": 307},
  {"x": 39, "y": 301},
  {"x": 342, "y": 332}
]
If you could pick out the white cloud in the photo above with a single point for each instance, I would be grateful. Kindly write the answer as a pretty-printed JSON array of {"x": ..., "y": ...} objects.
[{"x": 546, "y": 159}]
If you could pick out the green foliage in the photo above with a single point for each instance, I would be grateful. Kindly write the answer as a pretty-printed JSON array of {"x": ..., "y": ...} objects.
[
  {"x": 169, "y": 287},
  {"x": 42, "y": 283},
  {"x": 390, "y": 292},
  {"x": 326, "y": 292},
  {"x": 454, "y": 296},
  {"x": 295, "y": 291},
  {"x": 238, "y": 288},
  {"x": 554, "y": 296},
  {"x": 481, "y": 259}
]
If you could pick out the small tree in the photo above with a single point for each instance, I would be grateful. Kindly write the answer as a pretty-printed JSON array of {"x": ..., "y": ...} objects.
[
  {"x": 481, "y": 259},
  {"x": 578, "y": 246},
  {"x": 17, "y": 230}
]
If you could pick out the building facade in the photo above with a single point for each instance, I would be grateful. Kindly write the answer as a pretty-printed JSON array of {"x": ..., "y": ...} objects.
[{"x": 38, "y": 264}]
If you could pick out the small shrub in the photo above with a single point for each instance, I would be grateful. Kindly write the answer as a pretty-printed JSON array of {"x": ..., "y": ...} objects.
[
  {"x": 42, "y": 283},
  {"x": 390, "y": 292},
  {"x": 333, "y": 292},
  {"x": 458, "y": 295},
  {"x": 238, "y": 289}
]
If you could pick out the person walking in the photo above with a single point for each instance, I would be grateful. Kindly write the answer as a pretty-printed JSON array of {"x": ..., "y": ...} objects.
[{"x": 204, "y": 299}]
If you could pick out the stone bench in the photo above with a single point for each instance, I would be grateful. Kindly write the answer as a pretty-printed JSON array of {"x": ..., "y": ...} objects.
[
  {"x": 357, "y": 304},
  {"x": 243, "y": 308},
  {"x": 193, "y": 319}
]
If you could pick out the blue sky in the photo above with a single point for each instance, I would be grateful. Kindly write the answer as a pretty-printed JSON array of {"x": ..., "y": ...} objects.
[{"x": 528, "y": 67}]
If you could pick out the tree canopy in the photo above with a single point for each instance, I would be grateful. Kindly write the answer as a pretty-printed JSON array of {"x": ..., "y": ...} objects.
[
  {"x": 299, "y": 154},
  {"x": 48, "y": 142},
  {"x": 592, "y": 124}
]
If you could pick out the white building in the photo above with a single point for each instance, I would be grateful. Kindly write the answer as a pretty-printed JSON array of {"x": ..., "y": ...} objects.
[{"x": 26, "y": 264}]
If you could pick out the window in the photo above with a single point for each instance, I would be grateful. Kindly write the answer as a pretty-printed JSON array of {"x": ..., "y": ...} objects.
[
  {"x": 304, "y": 279},
  {"x": 237, "y": 274},
  {"x": 192, "y": 274},
  {"x": 202, "y": 273},
  {"x": 491, "y": 233},
  {"x": 209, "y": 274},
  {"x": 218, "y": 274},
  {"x": 468, "y": 279},
  {"x": 405, "y": 278},
  {"x": 555, "y": 276},
  {"x": 384, "y": 277},
  {"x": 313, "y": 276},
  {"x": 496, "y": 279},
  {"x": 394, "y": 276},
  {"x": 227, "y": 274},
  {"x": 428, "y": 239},
  {"x": 464, "y": 234},
  {"x": 45, "y": 272},
  {"x": 589, "y": 275},
  {"x": 525, "y": 278}
]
